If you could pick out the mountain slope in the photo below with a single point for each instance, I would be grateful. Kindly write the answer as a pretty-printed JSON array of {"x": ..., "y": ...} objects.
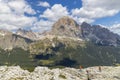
[
  {"x": 28, "y": 34},
  {"x": 68, "y": 27},
  {"x": 99, "y": 35},
  {"x": 93, "y": 45},
  {"x": 8, "y": 40},
  {"x": 73, "y": 53},
  {"x": 67, "y": 44}
]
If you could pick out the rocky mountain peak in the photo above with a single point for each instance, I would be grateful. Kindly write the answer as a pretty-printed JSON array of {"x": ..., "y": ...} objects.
[
  {"x": 66, "y": 21},
  {"x": 22, "y": 31},
  {"x": 27, "y": 34},
  {"x": 66, "y": 26},
  {"x": 4, "y": 32},
  {"x": 85, "y": 24}
]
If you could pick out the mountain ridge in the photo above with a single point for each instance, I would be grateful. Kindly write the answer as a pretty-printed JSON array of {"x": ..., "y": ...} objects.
[
  {"x": 99, "y": 35},
  {"x": 87, "y": 45},
  {"x": 68, "y": 27}
]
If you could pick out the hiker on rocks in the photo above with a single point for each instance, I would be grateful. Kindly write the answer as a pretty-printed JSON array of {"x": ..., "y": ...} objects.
[
  {"x": 81, "y": 67},
  {"x": 100, "y": 68},
  {"x": 88, "y": 75}
]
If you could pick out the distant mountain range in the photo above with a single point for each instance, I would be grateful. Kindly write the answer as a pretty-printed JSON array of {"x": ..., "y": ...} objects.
[
  {"x": 65, "y": 27},
  {"x": 9, "y": 40},
  {"x": 66, "y": 44}
]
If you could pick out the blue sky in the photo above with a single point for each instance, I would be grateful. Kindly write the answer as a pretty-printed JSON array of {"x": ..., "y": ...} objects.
[
  {"x": 72, "y": 4},
  {"x": 40, "y": 15},
  {"x": 108, "y": 21}
]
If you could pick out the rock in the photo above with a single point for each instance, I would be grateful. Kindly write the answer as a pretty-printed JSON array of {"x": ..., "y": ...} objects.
[
  {"x": 28, "y": 34},
  {"x": 44, "y": 73},
  {"x": 66, "y": 26},
  {"x": 12, "y": 73}
]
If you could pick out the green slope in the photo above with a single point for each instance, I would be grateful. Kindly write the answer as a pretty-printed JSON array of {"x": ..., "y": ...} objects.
[{"x": 61, "y": 56}]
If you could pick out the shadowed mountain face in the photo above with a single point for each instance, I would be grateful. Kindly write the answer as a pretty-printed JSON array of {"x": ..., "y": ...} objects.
[{"x": 99, "y": 35}]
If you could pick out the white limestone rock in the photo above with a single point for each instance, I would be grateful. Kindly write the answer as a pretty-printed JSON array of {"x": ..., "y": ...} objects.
[{"x": 44, "y": 73}]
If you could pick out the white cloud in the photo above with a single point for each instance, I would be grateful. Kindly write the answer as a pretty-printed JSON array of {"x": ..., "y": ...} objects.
[
  {"x": 42, "y": 25},
  {"x": 4, "y": 8},
  {"x": 93, "y": 9},
  {"x": 55, "y": 12},
  {"x": 44, "y": 4},
  {"x": 20, "y": 6},
  {"x": 80, "y": 20},
  {"x": 12, "y": 14},
  {"x": 52, "y": 15},
  {"x": 12, "y": 21},
  {"x": 115, "y": 28},
  {"x": 105, "y": 4},
  {"x": 93, "y": 13}
]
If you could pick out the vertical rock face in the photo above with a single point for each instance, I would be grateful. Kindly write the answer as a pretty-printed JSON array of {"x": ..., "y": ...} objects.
[{"x": 66, "y": 27}]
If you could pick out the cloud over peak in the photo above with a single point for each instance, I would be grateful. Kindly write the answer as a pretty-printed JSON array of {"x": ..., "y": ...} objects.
[
  {"x": 50, "y": 15},
  {"x": 55, "y": 12}
]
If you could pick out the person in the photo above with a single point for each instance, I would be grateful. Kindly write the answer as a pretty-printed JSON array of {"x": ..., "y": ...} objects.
[
  {"x": 81, "y": 67},
  {"x": 88, "y": 77},
  {"x": 100, "y": 68}
]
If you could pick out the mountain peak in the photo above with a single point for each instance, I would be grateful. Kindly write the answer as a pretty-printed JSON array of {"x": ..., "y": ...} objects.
[
  {"x": 27, "y": 34},
  {"x": 23, "y": 30},
  {"x": 66, "y": 21},
  {"x": 85, "y": 24},
  {"x": 66, "y": 26},
  {"x": 4, "y": 32}
]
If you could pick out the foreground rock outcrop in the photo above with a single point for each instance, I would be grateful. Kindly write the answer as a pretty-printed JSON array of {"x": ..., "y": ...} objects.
[{"x": 44, "y": 73}]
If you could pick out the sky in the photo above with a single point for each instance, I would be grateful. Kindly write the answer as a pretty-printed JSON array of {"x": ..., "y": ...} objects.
[{"x": 40, "y": 15}]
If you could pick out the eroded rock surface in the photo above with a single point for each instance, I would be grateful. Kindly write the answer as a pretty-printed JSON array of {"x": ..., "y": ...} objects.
[{"x": 44, "y": 73}]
